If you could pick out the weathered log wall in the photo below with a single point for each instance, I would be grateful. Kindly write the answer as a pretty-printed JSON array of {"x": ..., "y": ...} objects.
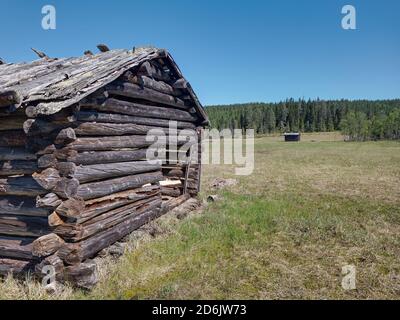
[{"x": 73, "y": 183}]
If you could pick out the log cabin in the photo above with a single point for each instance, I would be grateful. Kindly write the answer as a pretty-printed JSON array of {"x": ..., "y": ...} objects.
[{"x": 75, "y": 173}]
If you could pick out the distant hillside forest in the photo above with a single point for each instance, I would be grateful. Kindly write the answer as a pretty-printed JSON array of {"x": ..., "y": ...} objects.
[{"x": 358, "y": 120}]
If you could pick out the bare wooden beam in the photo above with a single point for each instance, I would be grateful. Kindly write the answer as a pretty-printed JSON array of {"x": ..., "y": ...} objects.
[
  {"x": 23, "y": 226},
  {"x": 100, "y": 189},
  {"x": 17, "y": 167},
  {"x": 16, "y": 247},
  {"x": 139, "y": 109},
  {"x": 24, "y": 206},
  {"x": 10, "y": 154},
  {"x": 134, "y": 91},
  {"x": 40, "y": 54},
  {"x": 95, "y": 172}
]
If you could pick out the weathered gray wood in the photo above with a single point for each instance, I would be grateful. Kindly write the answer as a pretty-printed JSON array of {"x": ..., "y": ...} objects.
[
  {"x": 107, "y": 143},
  {"x": 151, "y": 71},
  {"x": 71, "y": 208},
  {"x": 47, "y": 179},
  {"x": 34, "y": 127},
  {"x": 24, "y": 206},
  {"x": 21, "y": 186},
  {"x": 50, "y": 179},
  {"x": 73, "y": 253},
  {"x": 9, "y": 154},
  {"x": 15, "y": 267},
  {"x": 174, "y": 202},
  {"x": 180, "y": 84},
  {"x": 12, "y": 123},
  {"x": 88, "y": 158},
  {"x": 95, "y": 116},
  {"x": 77, "y": 232},
  {"x": 96, "y": 172},
  {"x": 17, "y": 167},
  {"x": 48, "y": 201},
  {"x": 138, "y": 109},
  {"x": 46, "y": 245},
  {"x": 65, "y": 136},
  {"x": 16, "y": 247},
  {"x": 47, "y": 161},
  {"x": 134, "y": 91},
  {"x": 116, "y": 129},
  {"x": 145, "y": 81},
  {"x": 23, "y": 226},
  {"x": 171, "y": 191},
  {"x": 100, "y": 189},
  {"x": 104, "y": 204},
  {"x": 13, "y": 138}
]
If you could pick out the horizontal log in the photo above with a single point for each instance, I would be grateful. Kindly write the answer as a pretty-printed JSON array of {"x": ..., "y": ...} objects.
[
  {"x": 96, "y": 172},
  {"x": 117, "y": 129},
  {"x": 145, "y": 81},
  {"x": 23, "y": 226},
  {"x": 134, "y": 91},
  {"x": 100, "y": 189},
  {"x": 73, "y": 253},
  {"x": 21, "y": 186},
  {"x": 126, "y": 142},
  {"x": 13, "y": 138},
  {"x": 16, "y": 247},
  {"x": 10, "y": 154},
  {"x": 34, "y": 127},
  {"x": 171, "y": 191},
  {"x": 46, "y": 245},
  {"x": 99, "y": 206},
  {"x": 24, "y": 206},
  {"x": 17, "y": 167},
  {"x": 138, "y": 109},
  {"x": 15, "y": 267},
  {"x": 89, "y": 158},
  {"x": 106, "y": 143},
  {"x": 78, "y": 232},
  {"x": 95, "y": 116},
  {"x": 12, "y": 123},
  {"x": 174, "y": 202}
]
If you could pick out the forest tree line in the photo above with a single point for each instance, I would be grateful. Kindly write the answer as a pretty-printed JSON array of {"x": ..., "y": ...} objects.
[{"x": 358, "y": 120}]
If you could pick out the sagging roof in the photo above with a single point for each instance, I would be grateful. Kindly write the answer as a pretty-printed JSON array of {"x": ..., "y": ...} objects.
[{"x": 51, "y": 85}]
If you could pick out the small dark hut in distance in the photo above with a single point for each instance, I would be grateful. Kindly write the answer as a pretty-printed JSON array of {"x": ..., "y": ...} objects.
[
  {"x": 73, "y": 172},
  {"x": 292, "y": 136}
]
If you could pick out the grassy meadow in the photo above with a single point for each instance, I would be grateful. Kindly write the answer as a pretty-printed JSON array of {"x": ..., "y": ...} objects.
[{"x": 285, "y": 232}]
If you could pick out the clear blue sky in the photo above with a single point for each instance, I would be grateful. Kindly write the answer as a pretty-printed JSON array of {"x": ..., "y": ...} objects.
[{"x": 231, "y": 51}]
